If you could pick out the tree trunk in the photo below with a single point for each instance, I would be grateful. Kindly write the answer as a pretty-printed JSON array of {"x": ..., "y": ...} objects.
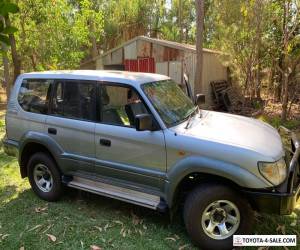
[
  {"x": 285, "y": 97},
  {"x": 6, "y": 70},
  {"x": 199, "y": 46},
  {"x": 271, "y": 79},
  {"x": 33, "y": 61},
  {"x": 14, "y": 54},
  {"x": 278, "y": 87},
  {"x": 94, "y": 50},
  {"x": 180, "y": 21},
  {"x": 258, "y": 82},
  {"x": 286, "y": 70}
]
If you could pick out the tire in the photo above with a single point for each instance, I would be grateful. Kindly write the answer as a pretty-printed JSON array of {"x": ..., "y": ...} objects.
[
  {"x": 201, "y": 206},
  {"x": 42, "y": 166}
]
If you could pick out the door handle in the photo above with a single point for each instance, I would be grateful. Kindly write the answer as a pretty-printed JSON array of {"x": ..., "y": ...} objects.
[
  {"x": 52, "y": 131},
  {"x": 104, "y": 142}
]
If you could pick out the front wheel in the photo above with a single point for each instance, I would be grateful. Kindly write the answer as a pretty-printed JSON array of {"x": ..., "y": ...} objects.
[{"x": 213, "y": 213}]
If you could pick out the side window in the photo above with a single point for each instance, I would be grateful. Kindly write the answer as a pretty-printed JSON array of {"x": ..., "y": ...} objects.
[
  {"x": 120, "y": 105},
  {"x": 75, "y": 99},
  {"x": 34, "y": 95}
]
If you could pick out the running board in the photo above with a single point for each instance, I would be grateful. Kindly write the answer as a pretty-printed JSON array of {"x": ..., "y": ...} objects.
[{"x": 123, "y": 194}]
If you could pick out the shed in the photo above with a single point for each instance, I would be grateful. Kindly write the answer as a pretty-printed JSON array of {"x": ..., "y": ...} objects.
[{"x": 145, "y": 54}]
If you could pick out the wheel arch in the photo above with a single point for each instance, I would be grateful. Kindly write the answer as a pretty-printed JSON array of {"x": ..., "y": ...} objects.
[
  {"x": 194, "y": 179},
  {"x": 35, "y": 142},
  {"x": 201, "y": 170}
]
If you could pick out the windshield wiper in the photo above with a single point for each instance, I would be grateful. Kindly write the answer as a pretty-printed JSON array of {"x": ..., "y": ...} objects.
[{"x": 190, "y": 117}]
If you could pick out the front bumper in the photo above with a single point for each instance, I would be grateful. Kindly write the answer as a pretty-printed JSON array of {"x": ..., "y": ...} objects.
[{"x": 283, "y": 198}]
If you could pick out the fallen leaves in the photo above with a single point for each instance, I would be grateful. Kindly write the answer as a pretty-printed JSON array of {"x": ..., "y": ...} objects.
[
  {"x": 51, "y": 237},
  {"x": 107, "y": 226},
  {"x": 183, "y": 247},
  {"x": 281, "y": 229},
  {"x": 3, "y": 236},
  {"x": 94, "y": 247},
  {"x": 40, "y": 209},
  {"x": 125, "y": 232},
  {"x": 170, "y": 238},
  {"x": 294, "y": 223},
  {"x": 135, "y": 219},
  {"x": 174, "y": 238},
  {"x": 119, "y": 222},
  {"x": 35, "y": 227},
  {"x": 99, "y": 228},
  {"x": 48, "y": 227}
]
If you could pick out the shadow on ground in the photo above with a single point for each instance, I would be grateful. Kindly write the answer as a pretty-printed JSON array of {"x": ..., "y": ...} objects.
[{"x": 81, "y": 218}]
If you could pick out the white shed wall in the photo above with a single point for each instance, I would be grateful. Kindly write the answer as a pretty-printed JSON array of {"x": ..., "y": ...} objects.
[{"x": 130, "y": 51}]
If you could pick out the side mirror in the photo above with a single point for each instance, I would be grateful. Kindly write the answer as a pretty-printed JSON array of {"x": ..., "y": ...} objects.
[
  {"x": 200, "y": 99},
  {"x": 143, "y": 122}
]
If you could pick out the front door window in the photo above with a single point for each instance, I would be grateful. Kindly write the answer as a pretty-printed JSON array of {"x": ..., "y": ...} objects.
[{"x": 120, "y": 105}]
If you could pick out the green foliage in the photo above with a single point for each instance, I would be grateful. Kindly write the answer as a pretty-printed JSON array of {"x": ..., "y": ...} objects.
[
  {"x": 6, "y": 8},
  {"x": 123, "y": 20},
  {"x": 276, "y": 122},
  {"x": 180, "y": 19},
  {"x": 251, "y": 35},
  {"x": 54, "y": 34}
]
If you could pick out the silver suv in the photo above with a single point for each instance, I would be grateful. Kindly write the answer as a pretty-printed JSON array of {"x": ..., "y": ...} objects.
[{"x": 138, "y": 138}]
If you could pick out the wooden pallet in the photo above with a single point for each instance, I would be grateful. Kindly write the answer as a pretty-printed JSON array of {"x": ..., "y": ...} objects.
[{"x": 219, "y": 90}]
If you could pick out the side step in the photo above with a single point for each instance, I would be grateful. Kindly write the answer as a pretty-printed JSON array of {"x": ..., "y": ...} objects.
[{"x": 123, "y": 194}]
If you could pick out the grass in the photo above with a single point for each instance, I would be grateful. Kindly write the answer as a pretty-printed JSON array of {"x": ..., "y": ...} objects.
[{"x": 81, "y": 220}]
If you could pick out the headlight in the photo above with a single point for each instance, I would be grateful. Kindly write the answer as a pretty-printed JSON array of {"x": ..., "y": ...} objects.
[{"x": 274, "y": 172}]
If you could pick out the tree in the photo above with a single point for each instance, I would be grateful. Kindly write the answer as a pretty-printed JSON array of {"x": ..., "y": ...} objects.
[
  {"x": 55, "y": 34},
  {"x": 290, "y": 49},
  {"x": 90, "y": 18},
  {"x": 199, "y": 46},
  {"x": 6, "y": 7},
  {"x": 179, "y": 24},
  {"x": 7, "y": 38}
]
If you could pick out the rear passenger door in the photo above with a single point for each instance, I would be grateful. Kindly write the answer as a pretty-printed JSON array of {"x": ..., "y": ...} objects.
[
  {"x": 137, "y": 158},
  {"x": 71, "y": 123}
]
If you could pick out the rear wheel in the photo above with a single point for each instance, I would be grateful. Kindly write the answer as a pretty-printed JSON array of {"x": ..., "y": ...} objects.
[
  {"x": 213, "y": 213},
  {"x": 44, "y": 177}
]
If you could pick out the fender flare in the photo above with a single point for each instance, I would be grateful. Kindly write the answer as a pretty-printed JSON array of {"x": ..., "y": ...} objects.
[
  {"x": 204, "y": 165},
  {"x": 43, "y": 139}
]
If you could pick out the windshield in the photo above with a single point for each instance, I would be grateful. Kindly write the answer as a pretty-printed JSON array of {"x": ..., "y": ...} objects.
[{"x": 172, "y": 104}]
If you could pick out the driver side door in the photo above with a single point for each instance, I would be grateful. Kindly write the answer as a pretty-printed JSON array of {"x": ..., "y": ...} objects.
[{"x": 122, "y": 152}]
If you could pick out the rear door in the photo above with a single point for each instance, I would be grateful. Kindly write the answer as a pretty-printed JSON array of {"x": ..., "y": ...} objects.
[
  {"x": 31, "y": 111},
  {"x": 122, "y": 152},
  {"x": 71, "y": 123}
]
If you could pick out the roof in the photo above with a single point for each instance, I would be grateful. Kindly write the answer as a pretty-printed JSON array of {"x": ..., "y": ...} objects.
[
  {"x": 171, "y": 44},
  {"x": 132, "y": 78}
]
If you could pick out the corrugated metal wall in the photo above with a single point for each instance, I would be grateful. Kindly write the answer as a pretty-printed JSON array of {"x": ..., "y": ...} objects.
[
  {"x": 140, "y": 65},
  {"x": 213, "y": 70},
  {"x": 175, "y": 71}
]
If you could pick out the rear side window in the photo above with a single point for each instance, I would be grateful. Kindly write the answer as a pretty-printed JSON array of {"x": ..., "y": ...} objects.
[
  {"x": 34, "y": 95},
  {"x": 75, "y": 99}
]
